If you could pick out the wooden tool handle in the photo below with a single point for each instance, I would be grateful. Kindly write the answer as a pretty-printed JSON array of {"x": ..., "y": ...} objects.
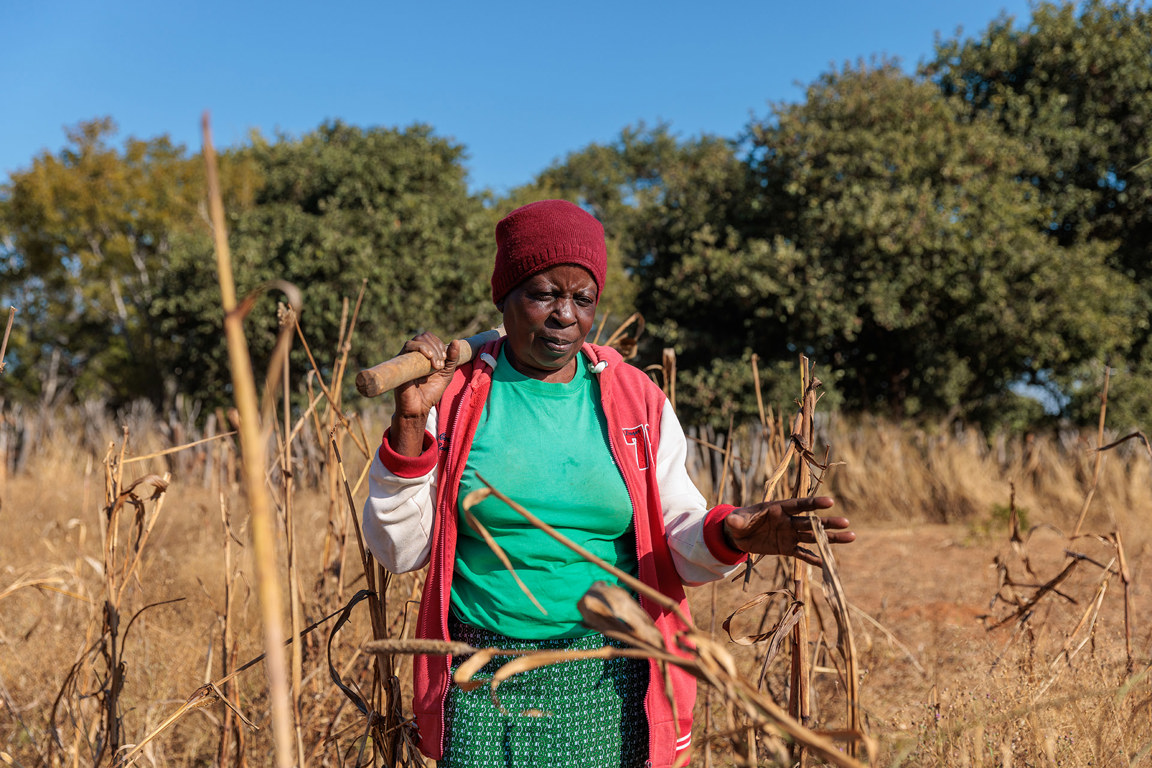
[{"x": 412, "y": 365}]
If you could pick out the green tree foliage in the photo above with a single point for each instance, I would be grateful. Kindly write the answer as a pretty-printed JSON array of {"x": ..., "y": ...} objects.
[
  {"x": 88, "y": 235},
  {"x": 930, "y": 241},
  {"x": 646, "y": 186},
  {"x": 876, "y": 227},
  {"x": 339, "y": 208},
  {"x": 106, "y": 253},
  {"x": 1075, "y": 86},
  {"x": 908, "y": 240},
  {"x": 664, "y": 202}
]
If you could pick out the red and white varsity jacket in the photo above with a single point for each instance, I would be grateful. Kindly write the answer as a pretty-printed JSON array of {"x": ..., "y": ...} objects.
[{"x": 410, "y": 520}]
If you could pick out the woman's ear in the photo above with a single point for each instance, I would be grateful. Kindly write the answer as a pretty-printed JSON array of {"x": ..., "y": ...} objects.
[{"x": 500, "y": 306}]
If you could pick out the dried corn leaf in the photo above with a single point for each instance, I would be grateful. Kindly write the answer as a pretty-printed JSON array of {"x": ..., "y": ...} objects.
[
  {"x": 414, "y": 645},
  {"x": 611, "y": 611},
  {"x": 758, "y": 600}
]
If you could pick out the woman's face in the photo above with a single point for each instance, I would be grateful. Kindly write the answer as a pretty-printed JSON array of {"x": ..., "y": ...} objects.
[{"x": 546, "y": 318}]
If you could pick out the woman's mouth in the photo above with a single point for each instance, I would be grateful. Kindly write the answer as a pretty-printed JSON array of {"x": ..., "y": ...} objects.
[{"x": 557, "y": 345}]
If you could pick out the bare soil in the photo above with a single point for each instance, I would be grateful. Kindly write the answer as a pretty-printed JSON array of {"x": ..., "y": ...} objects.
[{"x": 941, "y": 687}]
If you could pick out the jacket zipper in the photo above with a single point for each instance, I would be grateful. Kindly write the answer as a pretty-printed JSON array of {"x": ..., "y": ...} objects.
[
  {"x": 635, "y": 544},
  {"x": 446, "y": 588},
  {"x": 466, "y": 395}
]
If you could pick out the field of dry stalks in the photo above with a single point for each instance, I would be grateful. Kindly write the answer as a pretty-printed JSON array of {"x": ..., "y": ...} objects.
[
  {"x": 993, "y": 612},
  {"x": 997, "y": 599}
]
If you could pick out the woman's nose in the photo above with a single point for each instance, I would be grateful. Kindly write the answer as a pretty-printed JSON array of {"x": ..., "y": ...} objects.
[{"x": 565, "y": 312}]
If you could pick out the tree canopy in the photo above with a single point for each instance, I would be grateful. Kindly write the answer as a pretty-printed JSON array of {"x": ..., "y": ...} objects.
[
  {"x": 111, "y": 261},
  {"x": 932, "y": 241},
  {"x": 1074, "y": 84},
  {"x": 88, "y": 235},
  {"x": 338, "y": 209},
  {"x": 909, "y": 243}
]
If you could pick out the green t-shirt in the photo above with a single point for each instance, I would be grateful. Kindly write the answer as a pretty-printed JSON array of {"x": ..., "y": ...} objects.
[{"x": 545, "y": 446}]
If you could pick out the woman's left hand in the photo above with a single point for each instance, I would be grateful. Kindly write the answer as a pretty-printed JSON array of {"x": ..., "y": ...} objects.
[{"x": 784, "y": 527}]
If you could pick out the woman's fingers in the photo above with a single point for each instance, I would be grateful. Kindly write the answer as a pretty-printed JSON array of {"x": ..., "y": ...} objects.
[
  {"x": 452, "y": 353},
  {"x": 429, "y": 345},
  {"x": 785, "y": 527},
  {"x": 807, "y": 556},
  {"x": 834, "y": 527},
  {"x": 414, "y": 399},
  {"x": 835, "y": 522},
  {"x": 805, "y": 505},
  {"x": 834, "y": 537}
]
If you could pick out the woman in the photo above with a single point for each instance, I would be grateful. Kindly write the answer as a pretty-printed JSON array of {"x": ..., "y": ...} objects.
[{"x": 592, "y": 446}]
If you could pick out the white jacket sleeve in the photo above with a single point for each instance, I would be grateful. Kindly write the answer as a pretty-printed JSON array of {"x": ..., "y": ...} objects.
[
  {"x": 685, "y": 509},
  {"x": 399, "y": 513}
]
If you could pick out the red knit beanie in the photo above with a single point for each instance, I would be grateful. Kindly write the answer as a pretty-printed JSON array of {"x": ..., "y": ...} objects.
[{"x": 541, "y": 235}]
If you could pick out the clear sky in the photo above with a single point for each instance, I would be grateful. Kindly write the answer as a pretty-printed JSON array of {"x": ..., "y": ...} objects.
[{"x": 519, "y": 84}]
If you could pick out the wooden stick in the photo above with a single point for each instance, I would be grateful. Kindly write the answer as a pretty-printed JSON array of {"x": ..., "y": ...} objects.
[{"x": 412, "y": 365}]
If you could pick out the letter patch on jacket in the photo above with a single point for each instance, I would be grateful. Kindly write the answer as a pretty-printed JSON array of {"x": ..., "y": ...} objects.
[{"x": 637, "y": 437}]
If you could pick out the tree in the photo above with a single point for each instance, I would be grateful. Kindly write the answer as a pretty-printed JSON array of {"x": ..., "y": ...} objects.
[
  {"x": 88, "y": 234},
  {"x": 909, "y": 238},
  {"x": 644, "y": 186},
  {"x": 1076, "y": 89},
  {"x": 662, "y": 198},
  {"x": 109, "y": 258},
  {"x": 339, "y": 208},
  {"x": 877, "y": 228}
]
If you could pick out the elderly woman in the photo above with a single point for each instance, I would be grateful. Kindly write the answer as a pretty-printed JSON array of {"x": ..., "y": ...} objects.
[{"x": 590, "y": 445}]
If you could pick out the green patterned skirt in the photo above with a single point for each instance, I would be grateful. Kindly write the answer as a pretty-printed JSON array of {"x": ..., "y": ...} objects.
[{"x": 578, "y": 714}]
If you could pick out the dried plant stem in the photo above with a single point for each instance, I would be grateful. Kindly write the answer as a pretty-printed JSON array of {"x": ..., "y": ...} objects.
[
  {"x": 385, "y": 694},
  {"x": 630, "y": 581},
  {"x": 1126, "y": 580},
  {"x": 161, "y": 484},
  {"x": 335, "y": 438},
  {"x": 252, "y": 447},
  {"x": 345, "y": 345},
  {"x": 721, "y": 487},
  {"x": 212, "y": 691},
  {"x": 7, "y": 333},
  {"x": 178, "y": 448},
  {"x": 1049, "y": 587},
  {"x": 845, "y": 640},
  {"x": 712, "y": 613},
  {"x": 799, "y": 701},
  {"x": 780, "y": 471},
  {"x": 708, "y": 691},
  {"x": 1099, "y": 455},
  {"x": 296, "y": 616},
  {"x": 333, "y": 399},
  {"x": 759, "y": 395},
  {"x": 227, "y": 650}
]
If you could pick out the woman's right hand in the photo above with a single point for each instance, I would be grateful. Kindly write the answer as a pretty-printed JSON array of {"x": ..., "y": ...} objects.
[{"x": 415, "y": 399}]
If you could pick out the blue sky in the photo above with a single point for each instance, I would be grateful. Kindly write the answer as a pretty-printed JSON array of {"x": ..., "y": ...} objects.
[{"x": 519, "y": 84}]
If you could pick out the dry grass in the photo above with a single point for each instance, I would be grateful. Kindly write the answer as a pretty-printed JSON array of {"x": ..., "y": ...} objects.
[
  {"x": 937, "y": 689},
  {"x": 990, "y": 614}
]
